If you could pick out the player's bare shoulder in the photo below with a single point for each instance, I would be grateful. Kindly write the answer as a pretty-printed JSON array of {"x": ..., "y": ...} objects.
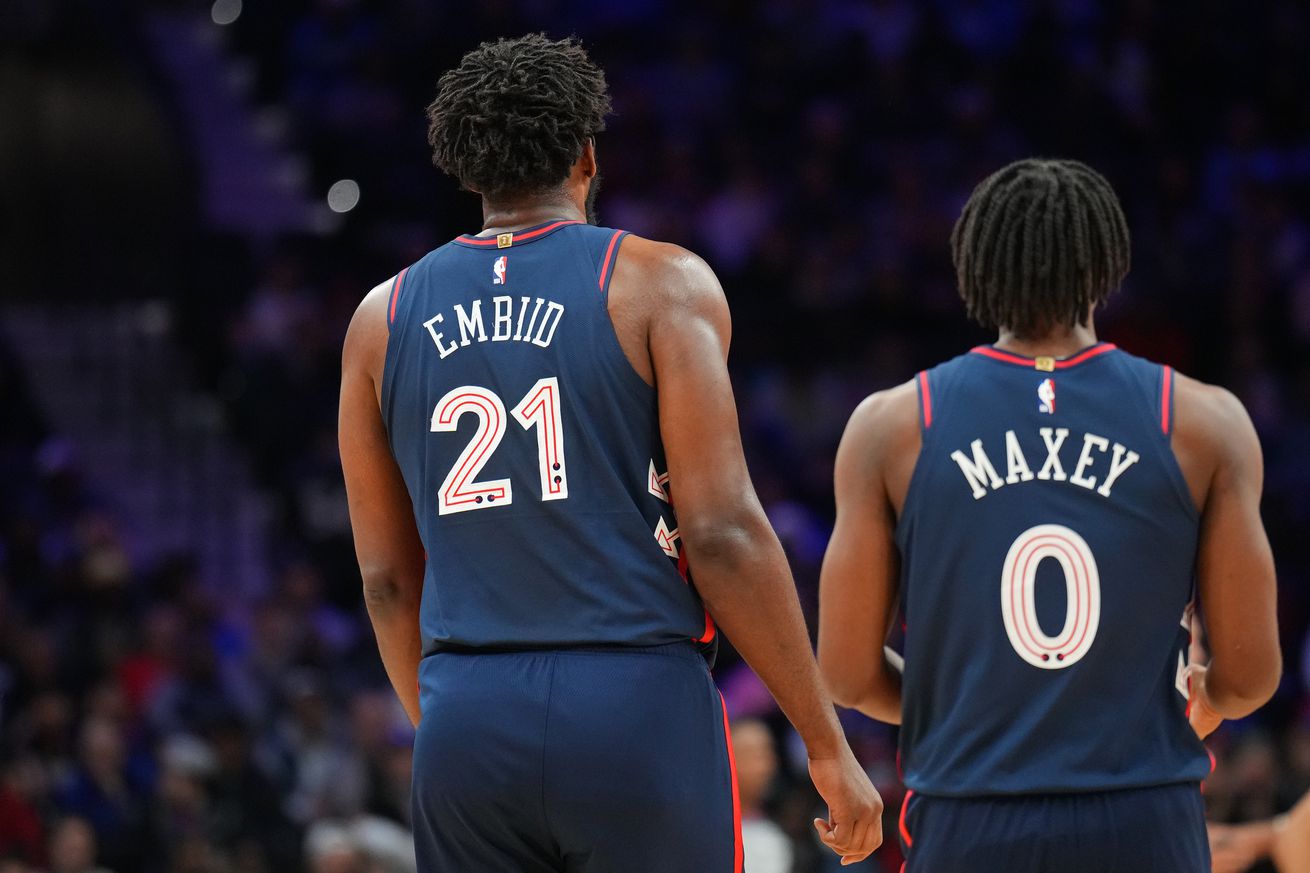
[
  {"x": 882, "y": 441},
  {"x": 1203, "y": 404},
  {"x": 371, "y": 313},
  {"x": 1212, "y": 434},
  {"x": 366, "y": 337},
  {"x": 665, "y": 272},
  {"x": 887, "y": 419},
  {"x": 659, "y": 284}
]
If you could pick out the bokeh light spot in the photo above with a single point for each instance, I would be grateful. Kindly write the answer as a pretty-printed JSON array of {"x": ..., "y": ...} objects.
[
  {"x": 343, "y": 196},
  {"x": 225, "y": 11}
]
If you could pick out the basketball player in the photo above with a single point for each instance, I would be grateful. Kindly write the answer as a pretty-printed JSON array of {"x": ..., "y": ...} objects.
[
  {"x": 521, "y": 412},
  {"x": 1041, "y": 506}
]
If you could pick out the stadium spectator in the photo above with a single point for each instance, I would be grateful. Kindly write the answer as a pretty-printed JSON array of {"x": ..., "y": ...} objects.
[
  {"x": 767, "y": 848},
  {"x": 73, "y": 847}
]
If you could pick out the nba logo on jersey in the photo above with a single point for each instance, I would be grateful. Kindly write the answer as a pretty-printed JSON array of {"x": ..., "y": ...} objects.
[
  {"x": 499, "y": 268},
  {"x": 1046, "y": 396}
]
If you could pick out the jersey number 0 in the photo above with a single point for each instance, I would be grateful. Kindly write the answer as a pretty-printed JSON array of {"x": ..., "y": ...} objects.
[{"x": 1082, "y": 585}]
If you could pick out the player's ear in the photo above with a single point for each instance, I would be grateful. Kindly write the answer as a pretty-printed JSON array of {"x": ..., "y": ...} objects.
[{"x": 587, "y": 160}]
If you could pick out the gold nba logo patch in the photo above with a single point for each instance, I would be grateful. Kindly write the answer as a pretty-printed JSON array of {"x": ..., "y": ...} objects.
[{"x": 504, "y": 240}]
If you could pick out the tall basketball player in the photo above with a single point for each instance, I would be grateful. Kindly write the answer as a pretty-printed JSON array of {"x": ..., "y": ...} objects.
[
  {"x": 1042, "y": 507},
  {"x": 553, "y": 516}
]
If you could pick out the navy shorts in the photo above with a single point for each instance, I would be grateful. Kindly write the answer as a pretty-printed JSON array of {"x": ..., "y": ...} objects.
[
  {"x": 586, "y": 760},
  {"x": 1141, "y": 830}
]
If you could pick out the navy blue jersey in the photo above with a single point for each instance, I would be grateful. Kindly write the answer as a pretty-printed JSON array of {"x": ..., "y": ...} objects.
[
  {"x": 531, "y": 449},
  {"x": 1048, "y": 544}
]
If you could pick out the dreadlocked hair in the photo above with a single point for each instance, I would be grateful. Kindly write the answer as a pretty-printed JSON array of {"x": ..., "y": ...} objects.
[
  {"x": 513, "y": 117},
  {"x": 1038, "y": 245}
]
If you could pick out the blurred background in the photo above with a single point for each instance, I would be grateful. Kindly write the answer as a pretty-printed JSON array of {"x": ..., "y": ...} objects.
[{"x": 195, "y": 195}]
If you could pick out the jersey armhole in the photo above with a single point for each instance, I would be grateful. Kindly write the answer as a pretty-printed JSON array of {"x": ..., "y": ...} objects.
[
  {"x": 598, "y": 257},
  {"x": 909, "y": 508},
  {"x": 925, "y": 400},
  {"x": 1167, "y": 401},
  {"x": 392, "y": 351},
  {"x": 396, "y": 285},
  {"x": 608, "y": 261},
  {"x": 1161, "y": 411}
]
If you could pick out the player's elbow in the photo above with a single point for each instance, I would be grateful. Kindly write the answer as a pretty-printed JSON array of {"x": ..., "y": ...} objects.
[
  {"x": 867, "y": 692},
  {"x": 725, "y": 541},
  {"x": 1264, "y": 685},
  {"x": 1240, "y": 692},
  {"x": 386, "y": 587},
  {"x": 846, "y": 687},
  {"x": 1233, "y": 704}
]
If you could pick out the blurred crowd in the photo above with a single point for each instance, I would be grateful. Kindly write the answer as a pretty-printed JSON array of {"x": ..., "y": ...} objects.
[
  {"x": 816, "y": 154},
  {"x": 149, "y": 727}
]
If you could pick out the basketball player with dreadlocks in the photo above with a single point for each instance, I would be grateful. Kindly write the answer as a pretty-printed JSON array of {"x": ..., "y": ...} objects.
[
  {"x": 553, "y": 515},
  {"x": 1044, "y": 509}
]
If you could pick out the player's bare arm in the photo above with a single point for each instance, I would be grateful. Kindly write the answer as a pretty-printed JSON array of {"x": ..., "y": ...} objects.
[
  {"x": 1219, "y": 453},
  {"x": 859, "y": 586},
  {"x": 739, "y": 565},
  {"x": 1291, "y": 849},
  {"x": 381, "y": 516},
  {"x": 1285, "y": 840}
]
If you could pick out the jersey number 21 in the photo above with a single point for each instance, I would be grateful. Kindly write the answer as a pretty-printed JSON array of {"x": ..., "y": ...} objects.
[{"x": 539, "y": 408}]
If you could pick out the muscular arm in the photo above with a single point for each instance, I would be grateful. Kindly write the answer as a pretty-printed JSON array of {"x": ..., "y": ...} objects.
[
  {"x": 860, "y": 581},
  {"x": 381, "y": 515},
  {"x": 740, "y": 569},
  {"x": 1220, "y": 453}
]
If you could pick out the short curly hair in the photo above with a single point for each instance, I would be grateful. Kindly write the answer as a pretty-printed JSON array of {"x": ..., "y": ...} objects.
[{"x": 513, "y": 117}]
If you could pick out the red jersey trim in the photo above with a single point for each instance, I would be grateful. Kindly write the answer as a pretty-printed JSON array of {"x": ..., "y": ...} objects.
[
  {"x": 905, "y": 831},
  {"x": 518, "y": 236},
  {"x": 709, "y": 629},
  {"x": 1166, "y": 392},
  {"x": 925, "y": 399},
  {"x": 395, "y": 293},
  {"x": 1065, "y": 363},
  {"x": 737, "y": 853},
  {"x": 609, "y": 258},
  {"x": 684, "y": 570}
]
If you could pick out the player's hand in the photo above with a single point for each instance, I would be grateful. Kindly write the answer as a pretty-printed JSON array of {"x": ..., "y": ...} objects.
[
  {"x": 853, "y": 828},
  {"x": 1235, "y": 848},
  {"x": 1203, "y": 719}
]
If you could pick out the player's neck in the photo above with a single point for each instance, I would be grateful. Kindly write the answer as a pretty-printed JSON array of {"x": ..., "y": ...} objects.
[
  {"x": 516, "y": 215},
  {"x": 1057, "y": 344}
]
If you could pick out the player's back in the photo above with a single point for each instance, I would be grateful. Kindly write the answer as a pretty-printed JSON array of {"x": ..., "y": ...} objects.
[
  {"x": 531, "y": 449},
  {"x": 1048, "y": 541}
]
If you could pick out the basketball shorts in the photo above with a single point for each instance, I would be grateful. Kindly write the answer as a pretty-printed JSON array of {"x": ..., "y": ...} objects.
[
  {"x": 1160, "y": 829},
  {"x": 594, "y": 760}
]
